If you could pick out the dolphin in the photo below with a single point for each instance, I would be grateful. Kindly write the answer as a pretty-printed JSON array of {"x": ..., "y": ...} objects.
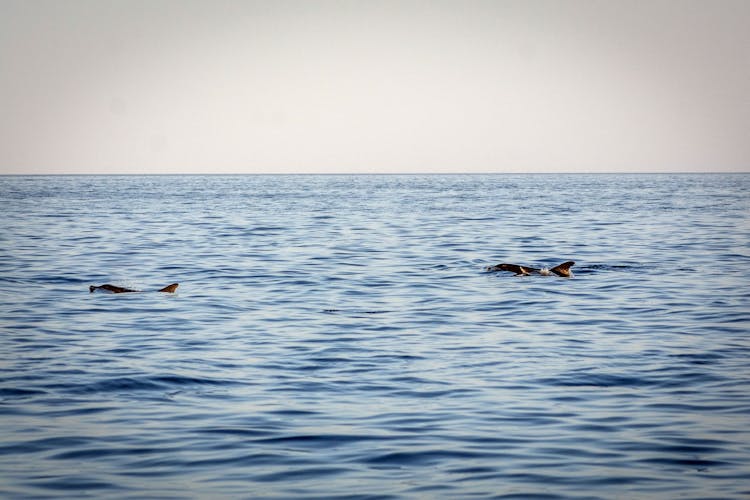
[
  {"x": 561, "y": 270},
  {"x": 118, "y": 289}
]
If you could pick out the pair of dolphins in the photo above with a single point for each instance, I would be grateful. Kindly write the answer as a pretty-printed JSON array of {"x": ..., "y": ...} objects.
[{"x": 561, "y": 270}]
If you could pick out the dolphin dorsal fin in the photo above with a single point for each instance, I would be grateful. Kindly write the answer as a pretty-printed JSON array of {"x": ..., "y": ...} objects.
[
  {"x": 563, "y": 269},
  {"x": 170, "y": 288}
]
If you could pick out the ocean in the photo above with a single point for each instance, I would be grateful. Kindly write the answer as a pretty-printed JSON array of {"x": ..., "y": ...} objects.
[{"x": 338, "y": 337}]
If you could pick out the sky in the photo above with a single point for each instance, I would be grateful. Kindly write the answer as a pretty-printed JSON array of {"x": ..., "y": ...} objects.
[{"x": 381, "y": 86}]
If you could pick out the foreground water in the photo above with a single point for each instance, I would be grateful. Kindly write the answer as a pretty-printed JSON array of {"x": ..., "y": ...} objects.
[{"x": 337, "y": 337}]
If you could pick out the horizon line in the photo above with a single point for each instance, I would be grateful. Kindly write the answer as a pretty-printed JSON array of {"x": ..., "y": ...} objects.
[{"x": 238, "y": 174}]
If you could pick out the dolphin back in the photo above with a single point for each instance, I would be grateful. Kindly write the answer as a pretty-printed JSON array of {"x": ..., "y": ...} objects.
[
  {"x": 513, "y": 268},
  {"x": 110, "y": 288},
  {"x": 563, "y": 269}
]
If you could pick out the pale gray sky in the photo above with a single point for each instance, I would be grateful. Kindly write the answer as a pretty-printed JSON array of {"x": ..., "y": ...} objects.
[{"x": 218, "y": 86}]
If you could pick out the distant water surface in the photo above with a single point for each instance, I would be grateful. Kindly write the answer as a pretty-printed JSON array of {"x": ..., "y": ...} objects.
[{"x": 338, "y": 337}]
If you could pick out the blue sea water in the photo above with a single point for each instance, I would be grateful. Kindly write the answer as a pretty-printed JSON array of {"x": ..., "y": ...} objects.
[{"x": 338, "y": 337}]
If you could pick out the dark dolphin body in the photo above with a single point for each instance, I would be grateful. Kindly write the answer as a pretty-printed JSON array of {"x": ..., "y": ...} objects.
[
  {"x": 118, "y": 289},
  {"x": 561, "y": 270}
]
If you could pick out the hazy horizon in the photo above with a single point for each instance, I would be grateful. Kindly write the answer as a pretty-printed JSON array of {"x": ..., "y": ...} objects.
[
  {"x": 354, "y": 173},
  {"x": 294, "y": 87}
]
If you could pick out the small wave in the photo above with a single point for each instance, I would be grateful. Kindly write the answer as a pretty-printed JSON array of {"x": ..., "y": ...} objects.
[
  {"x": 76, "y": 483},
  {"x": 12, "y": 392},
  {"x": 424, "y": 457},
  {"x": 356, "y": 311},
  {"x": 144, "y": 383},
  {"x": 45, "y": 445},
  {"x": 301, "y": 473},
  {"x": 596, "y": 268},
  {"x": 596, "y": 380},
  {"x": 315, "y": 440}
]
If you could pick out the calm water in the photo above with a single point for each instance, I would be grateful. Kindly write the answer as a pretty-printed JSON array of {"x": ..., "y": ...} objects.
[{"x": 337, "y": 337}]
